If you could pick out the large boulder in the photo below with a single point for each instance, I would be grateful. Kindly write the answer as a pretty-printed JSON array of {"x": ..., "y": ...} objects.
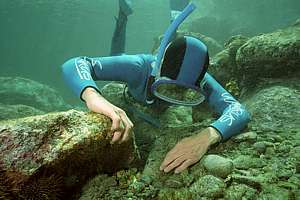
[
  {"x": 17, "y": 90},
  {"x": 244, "y": 62},
  {"x": 223, "y": 66},
  {"x": 49, "y": 153},
  {"x": 275, "y": 54},
  {"x": 17, "y": 111},
  {"x": 275, "y": 107}
]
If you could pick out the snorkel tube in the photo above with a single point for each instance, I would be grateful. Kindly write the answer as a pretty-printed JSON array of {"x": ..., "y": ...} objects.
[{"x": 168, "y": 35}]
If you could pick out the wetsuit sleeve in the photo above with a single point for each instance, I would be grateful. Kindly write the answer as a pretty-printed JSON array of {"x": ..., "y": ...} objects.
[
  {"x": 233, "y": 115},
  {"x": 82, "y": 72}
]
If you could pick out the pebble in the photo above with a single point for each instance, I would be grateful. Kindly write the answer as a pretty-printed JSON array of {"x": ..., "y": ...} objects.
[
  {"x": 208, "y": 186},
  {"x": 248, "y": 136},
  {"x": 246, "y": 162},
  {"x": 218, "y": 165},
  {"x": 260, "y": 147}
]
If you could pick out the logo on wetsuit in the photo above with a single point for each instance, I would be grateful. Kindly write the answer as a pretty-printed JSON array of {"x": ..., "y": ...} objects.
[
  {"x": 233, "y": 112},
  {"x": 83, "y": 67}
]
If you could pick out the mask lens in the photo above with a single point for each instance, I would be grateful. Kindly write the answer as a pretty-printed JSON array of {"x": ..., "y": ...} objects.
[{"x": 178, "y": 94}]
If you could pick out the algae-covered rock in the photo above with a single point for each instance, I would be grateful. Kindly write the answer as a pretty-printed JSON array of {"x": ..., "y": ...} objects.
[
  {"x": 179, "y": 194},
  {"x": 125, "y": 184},
  {"x": 274, "y": 192},
  {"x": 97, "y": 187},
  {"x": 17, "y": 90},
  {"x": 208, "y": 186},
  {"x": 218, "y": 165},
  {"x": 247, "y": 60},
  {"x": 274, "y": 54},
  {"x": 275, "y": 107},
  {"x": 223, "y": 65},
  {"x": 248, "y": 136},
  {"x": 246, "y": 162},
  {"x": 17, "y": 111},
  {"x": 71, "y": 146},
  {"x": 239, "y": 191}
]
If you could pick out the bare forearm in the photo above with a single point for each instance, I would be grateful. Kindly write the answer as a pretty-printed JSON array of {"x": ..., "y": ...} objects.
[{"x": 95, "y": 101}]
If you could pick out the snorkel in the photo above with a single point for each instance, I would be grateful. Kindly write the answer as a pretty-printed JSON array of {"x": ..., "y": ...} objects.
[
  {"x": 185, "y": 90},
  {"x": 168, "y": 36}
]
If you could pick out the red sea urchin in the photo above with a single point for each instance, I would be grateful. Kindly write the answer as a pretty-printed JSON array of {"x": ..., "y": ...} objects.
[
  {"x": 5, "y": 189},
  {"x": 42, "y": 188}
]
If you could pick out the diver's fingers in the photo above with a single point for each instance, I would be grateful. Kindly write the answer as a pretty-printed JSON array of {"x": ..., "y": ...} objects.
[
  {"x": 128, "y": 126},
  {"x": 116, "y": 136},
  {"x": 116, "y": 123},
  {"x": 170, "y": 157},
  {"x": 185, "y": 165},
  {"x": 177, "y": 162}
]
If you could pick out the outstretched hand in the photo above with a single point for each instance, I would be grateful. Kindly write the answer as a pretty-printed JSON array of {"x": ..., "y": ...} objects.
[
  {"x": 121, "y": 124},
  {"x": 189, "y": 150}
]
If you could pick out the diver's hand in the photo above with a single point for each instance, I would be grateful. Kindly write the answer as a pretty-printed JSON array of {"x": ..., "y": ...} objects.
[
  {"x": 189, "y": 150},
  {"x": 121, "y": 124}
]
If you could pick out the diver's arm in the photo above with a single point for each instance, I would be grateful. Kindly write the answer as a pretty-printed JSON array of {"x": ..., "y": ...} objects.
[
  {"x": 80, "y": 73},
  {"x": 234, "y": 117}
]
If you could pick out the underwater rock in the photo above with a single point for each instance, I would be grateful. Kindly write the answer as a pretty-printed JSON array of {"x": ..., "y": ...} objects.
[
  {"x": 70, "y": 146},
  {"x": 248, "y": 136},
  {"x": 125, "y": 184},
  {"x": 171, "y": 194},
  {"x": 218, "y": 165},
  {"x": 97, "y": 187},
  {"x": 17, "y": 111},
  {"x": 176, "y": 116},
  {"x": 274, "y": 192},
  {"x": 274, "y": 107},
  {"x": 208, "y": 186},
  {"x": 213, "y": 46},
  {"x": 239, "y": 191},
  {"x": 246, "y": 162},
  {"x": 273, "y": 55},
  {"x": 17, "y": 90},
  {"x": 260, "y": 147},
  {"x": 223, "y": 65},
  {"x": 295, "y": 153}
]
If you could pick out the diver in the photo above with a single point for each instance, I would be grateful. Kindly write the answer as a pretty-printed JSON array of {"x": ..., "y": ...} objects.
[{"x": 177, "y": 75}]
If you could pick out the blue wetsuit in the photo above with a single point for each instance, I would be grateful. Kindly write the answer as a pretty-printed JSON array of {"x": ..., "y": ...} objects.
[{"x": 135, "y": 70}]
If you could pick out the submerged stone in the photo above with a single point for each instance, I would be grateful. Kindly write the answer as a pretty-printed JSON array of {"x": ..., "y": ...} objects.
[
  {"x": 71, "y": 145},
  {"x": 218, "y": 165},
  {"x": 274, "y": 107},
  {"x": 271, "y": 55},
  {"x": 239, "y": 191},
  {"x": 246, "y": 162},
  {"x": 208, "y": 186},
  {"x": 17, "y": 90},
  {"x": 246, "y": 137},
  {"x": 260, "y": 147},
  {"x": 17, "y": 111}
]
